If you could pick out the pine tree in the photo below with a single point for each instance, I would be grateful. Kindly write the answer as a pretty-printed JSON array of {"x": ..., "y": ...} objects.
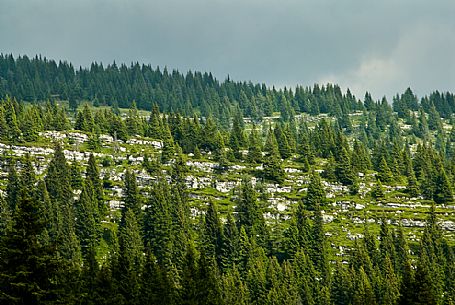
[
  {"x": 58, "y": 178},
  {"x": 133, "y": 124},
  {"x": 443, "y": 190},
  {"x": 3, "y": 125},
  {"x": 404, "y": 268},
  {"x": 197, "y": 153},
  {"x": 273, "y": 169},
  {"x": 14, "y": 133},
  {"x": 378, "y": 191},
  {"x": 304, "y": 149},
  {"x": 86, "y": 215},
  {"x": 244, "y": 249},
  {"x": 28, "y": 265},
  {"x": 13, "y": 188},
  {"x": 291, "y": 239},
  {"x": 254, "y": 148},
  {"x": 158, "y": 222},
  {"x": 249, "y": 215},
  {"x": 434, "y": 119},
  {"x": 155, "y": 124},
  {"x": 190, "y": 289},
  {"x": 29, "y": 124},
  {"x": 256, "y": 277},
  {"x": 213, "y": 234},
  {"x": 93, "y": 174},
  {"x": 360, "y": 158},
  {"x": 208, "y": 281},
  {"x": 131, "y": 258},
  {"x": 315, "y": 193},
  {"x": 76, "y": 175},
  {"x": 305, "y": 275},
  {"x": 234, "y": 289},
  {"x": 329, "y": 169},
  {"x": 384, "y": 172},
  {"x": 389, "y": 284},
  {"x": 423, "y": 286},
  {"x": 282, "y": 141},
  {"x": 5, "y": 218},
  {"x": 230, "y": 245},
  {"x": 341, "y": 287},
  {"x": 412, "y": 187},
  {"x": 168, "y": 150},
  {"x": 237, "y": 136},
  {"x": 363, "y": 292},
  {"x": 343, "y": 169},
  {"x": 319, "y": 254},
  {"x": 154, "y": 283},
  {"x": 131, "y": 196}
]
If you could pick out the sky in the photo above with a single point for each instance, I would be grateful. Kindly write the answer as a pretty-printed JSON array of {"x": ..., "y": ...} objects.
[{"x": 378, "y": 46}]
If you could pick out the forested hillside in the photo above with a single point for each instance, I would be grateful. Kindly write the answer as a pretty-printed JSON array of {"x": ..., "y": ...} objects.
[{"x": 128, "y": 185}]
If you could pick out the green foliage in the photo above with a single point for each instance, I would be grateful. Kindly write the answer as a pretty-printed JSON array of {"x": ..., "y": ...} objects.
[
  {"x": 272, "y": 167},
  {"x": 378, "y": 192},
  {"x": 343, "y": 169},
  {"x": 56, "y": 247},
  {"x": 315, "y": 193},
  {"x": 28, "y": 265}
]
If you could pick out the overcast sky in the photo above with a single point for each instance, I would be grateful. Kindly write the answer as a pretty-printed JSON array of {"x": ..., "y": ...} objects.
[{"x": 380, "y": 46}]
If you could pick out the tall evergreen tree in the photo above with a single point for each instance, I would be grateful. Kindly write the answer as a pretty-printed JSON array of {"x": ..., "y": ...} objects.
[
  {"x": 315, "y": 193},
  {"x": 28, "y": 266},
  {"x": 131, "y": 258},
  {"x": 131, "y": 196},
  {"x": 93, "y": 174}
]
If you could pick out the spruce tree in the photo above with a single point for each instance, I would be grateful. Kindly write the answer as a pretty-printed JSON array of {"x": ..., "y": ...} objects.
[
  {"x": 154, "y": 283},
  {"x": 28, "y": 266},
  {"x": 131, "y": 196},
  {"x": 230, "y": 245},
  {"x": 315, "y": 193},
  {"x": 378, "y": 192},
  {"x": 329, "y": 169},
  {"x": 13, "y": 188},
  {"x": 304, "y": 276},
  {"x": 168, "y": 149},
  {"x": 443, "y": 190},
  {"x": 213, "y": 234},
  {"x": 76, "y": 175},
  {"x": 254, "y": 148},
  {"x": 412, "y": 188},
  {"x": 234, "y": 289},
  {"x": 273, "y": 169},
  {"x": 5, "y": 218},
  {"x": 131, "y": 258},
  {"x": 363, "y": 291},
  {"x": 248, "y": 211},
  {"x": 158, "y": 222},
  {"x": 319, "y": 253},
  {"x": 93, "y": 174},
  {"x": 58, "y": 178},
  {"x": 423, "y": 287},
  {"x": 389, "y": 284},
  {"x": 86, "y": 219},
  {"x": 343, "y": 169},
  {"x": 384, "y": 172}
]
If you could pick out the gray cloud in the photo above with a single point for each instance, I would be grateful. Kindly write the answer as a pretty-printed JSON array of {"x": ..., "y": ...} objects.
[{"x": 380, "y": 46}]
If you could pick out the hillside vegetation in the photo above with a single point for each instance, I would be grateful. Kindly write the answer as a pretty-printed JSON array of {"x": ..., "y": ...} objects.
[{"x": 128, "y": 185}]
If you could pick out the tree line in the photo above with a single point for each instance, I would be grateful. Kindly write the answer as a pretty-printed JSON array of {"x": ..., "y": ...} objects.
[
  {"x": 377, "y": 143},
  {"x": 40, "y": 79}
]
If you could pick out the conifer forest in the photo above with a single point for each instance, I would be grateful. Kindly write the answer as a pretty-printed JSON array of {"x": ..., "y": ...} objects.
[{"x": 133, "y": 184}]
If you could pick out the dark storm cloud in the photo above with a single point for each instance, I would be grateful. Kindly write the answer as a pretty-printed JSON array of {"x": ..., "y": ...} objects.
[{"x": 380, "y": 46}]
